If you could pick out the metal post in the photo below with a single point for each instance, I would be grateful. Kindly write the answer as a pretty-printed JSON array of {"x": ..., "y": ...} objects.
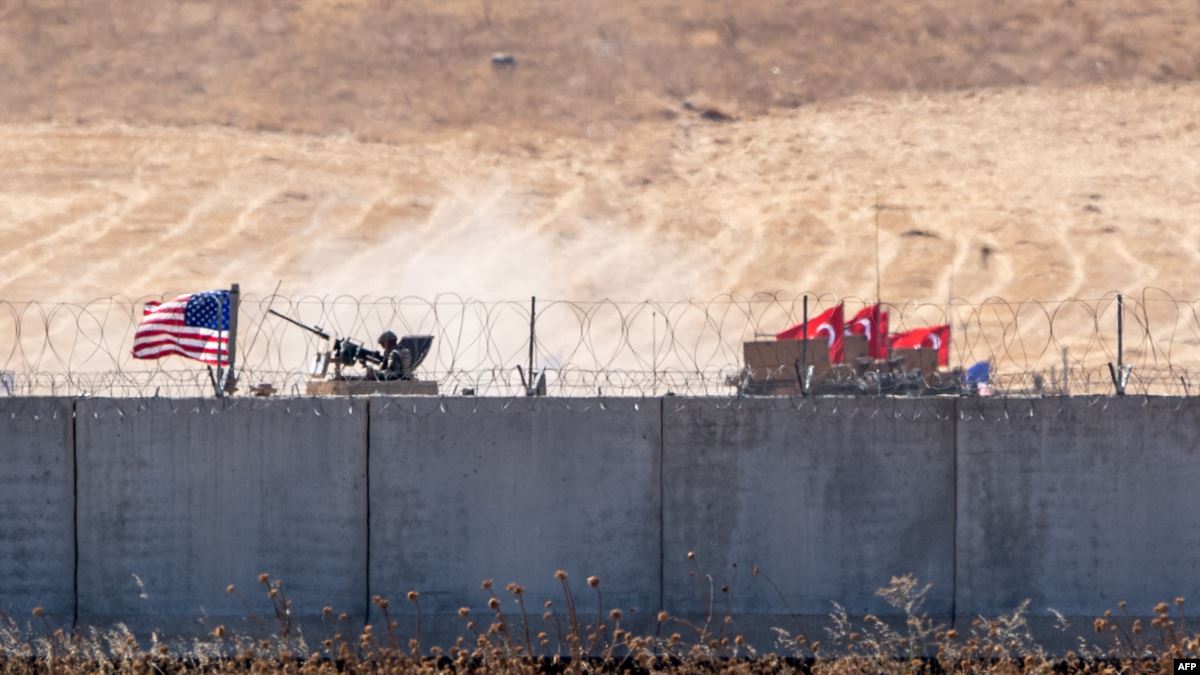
[
  {"x": 654, "y": 353},
  {"x": 217, "y": 376},
  {"x": 1066, "y": 386},
  {"x": 1120, "y": 375},
  {"x": 877, "y": 328},
  {"x": 235, "y": 294},
  {"x": 532, "y": 341},
  {"x": 804, "y": 351},
  {"x": 1120, "y": 337}
]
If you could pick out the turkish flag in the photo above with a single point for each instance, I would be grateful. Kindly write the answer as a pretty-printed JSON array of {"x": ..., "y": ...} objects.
[
  {"x": 933, "y": 337},
  {"x": 828, "y": 324},
  {"x": 873, "y": 322}
]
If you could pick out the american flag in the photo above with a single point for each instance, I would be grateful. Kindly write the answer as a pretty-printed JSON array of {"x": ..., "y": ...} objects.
[{"x": 194, "y": 325}]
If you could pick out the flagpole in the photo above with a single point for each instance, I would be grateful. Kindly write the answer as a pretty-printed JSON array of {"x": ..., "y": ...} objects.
[
  {"x": 878, "y": 274},
  {"x": 875, "y": 323},
  {"x": 235, "y": 294},
  {"x": 218, "y": 379},
  {"x": 804, "y": 351}
]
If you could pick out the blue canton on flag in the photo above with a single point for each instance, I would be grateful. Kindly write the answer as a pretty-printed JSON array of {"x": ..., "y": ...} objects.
[{"x": 202, "y": 310}]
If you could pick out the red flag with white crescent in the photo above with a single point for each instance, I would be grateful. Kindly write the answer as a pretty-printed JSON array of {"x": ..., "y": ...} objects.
[
  {"x": 932, "y": 337},
  {"x": 829, "y": 325},
  {"x": 872, "y": 322}
]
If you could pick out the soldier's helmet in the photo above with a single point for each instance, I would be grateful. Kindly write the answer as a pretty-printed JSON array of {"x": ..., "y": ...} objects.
[{"x": 387, "y": 337}]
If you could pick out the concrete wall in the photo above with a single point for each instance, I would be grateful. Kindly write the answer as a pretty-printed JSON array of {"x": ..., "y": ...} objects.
[
  {"x": 1077, "y": 504},
  {"x": 1073, "y": 503},
  {"x": 37, "y": 508},
  {"x": 464, "y": 490},
  {"x": 829, "y": 502},
  {"x": 189, "y": 496}
]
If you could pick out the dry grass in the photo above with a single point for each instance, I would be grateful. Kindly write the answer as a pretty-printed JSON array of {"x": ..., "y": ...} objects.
[{"x": 506, "y": 638}]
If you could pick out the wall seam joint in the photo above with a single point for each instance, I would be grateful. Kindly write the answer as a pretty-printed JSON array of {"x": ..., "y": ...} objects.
[
  {"x": 954, "y": 510},
  {"x": 75, "y": 514},
  {"x": 367, "y": 492},
  {"x": 662, "y": 497}
]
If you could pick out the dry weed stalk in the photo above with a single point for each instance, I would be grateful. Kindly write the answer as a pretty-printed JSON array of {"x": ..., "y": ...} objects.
[{"x": 907, "y": 641}]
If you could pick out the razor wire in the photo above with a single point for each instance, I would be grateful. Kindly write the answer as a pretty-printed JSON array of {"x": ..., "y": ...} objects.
[{"x": 605, "y": 348}]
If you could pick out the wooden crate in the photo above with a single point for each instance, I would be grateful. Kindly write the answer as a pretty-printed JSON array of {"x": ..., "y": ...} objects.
[
  {"x": 777, "y": 359},
  {"x": 924, "y": 360}
]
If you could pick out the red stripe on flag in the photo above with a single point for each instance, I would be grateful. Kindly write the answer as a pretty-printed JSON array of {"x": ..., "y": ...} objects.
[{"x": 163, "y": 331}]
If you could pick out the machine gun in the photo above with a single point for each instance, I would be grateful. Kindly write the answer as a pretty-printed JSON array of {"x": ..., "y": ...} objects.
[{"x": 345, "y": 352}]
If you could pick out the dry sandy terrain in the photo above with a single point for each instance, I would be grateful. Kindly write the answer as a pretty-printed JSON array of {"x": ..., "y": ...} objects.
[
  {"x": 639, "y": 150},
  {"x": 1023, "y": 149},
  {"x": 1025, "y": 192}
]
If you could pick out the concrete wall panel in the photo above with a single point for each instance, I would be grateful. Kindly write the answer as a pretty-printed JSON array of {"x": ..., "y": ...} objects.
[
  {"x": 192, "y": 495},
  {"x": 37, "y": 537},
  {"x": 464, "y": 490},
  {"x": 831, "y": 499},
  {"x": 1077, "y": 504}
]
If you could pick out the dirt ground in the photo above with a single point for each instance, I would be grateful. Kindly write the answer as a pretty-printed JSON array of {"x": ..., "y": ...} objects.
[{"x": 638, "y": 150}]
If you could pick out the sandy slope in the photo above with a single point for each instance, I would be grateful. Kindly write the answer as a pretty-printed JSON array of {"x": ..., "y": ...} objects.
[
  {"x": 1027, "y": 148},
  {"x": 396, "y": 69},
  {"x": 1024, "y": 148},
  {"x": 1028, "y": 192}
]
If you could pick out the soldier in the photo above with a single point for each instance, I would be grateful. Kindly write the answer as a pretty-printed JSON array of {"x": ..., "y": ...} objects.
[{"x": 397, "y": 363}]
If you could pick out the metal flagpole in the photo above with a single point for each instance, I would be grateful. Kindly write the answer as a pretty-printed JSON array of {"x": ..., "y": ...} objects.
[
  {"x": 875, "y": 320},
  {"x": 804, "y": 351},
  {"x": 217, "y": 379},
  {"x": 231, "y": 379}
]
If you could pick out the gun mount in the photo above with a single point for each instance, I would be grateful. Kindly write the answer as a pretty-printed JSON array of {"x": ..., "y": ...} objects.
[{"x": 347, "y": 353}]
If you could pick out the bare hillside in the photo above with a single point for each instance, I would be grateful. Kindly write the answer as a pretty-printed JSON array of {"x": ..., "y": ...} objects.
[
  {"x": 384, "y": 69},
  {"x": 1023, "y": 148},
  {"x": 1034, "y": 192}
]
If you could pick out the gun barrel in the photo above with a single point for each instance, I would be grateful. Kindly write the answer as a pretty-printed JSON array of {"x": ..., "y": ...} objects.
[{"x": 315, "y": 330}]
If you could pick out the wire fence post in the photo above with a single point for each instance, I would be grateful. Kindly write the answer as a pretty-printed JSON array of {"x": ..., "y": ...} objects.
[
  {"x": 653, "y": 353},
  {"x": 1120, "y": 335},
  {"x": 478, "y": 346},
  {"x": 530, "y": 387},
  {"x": 1119, "y": 375},
  {"x": 1066, "y": 390}
]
